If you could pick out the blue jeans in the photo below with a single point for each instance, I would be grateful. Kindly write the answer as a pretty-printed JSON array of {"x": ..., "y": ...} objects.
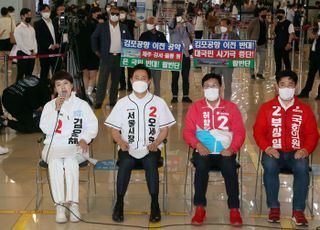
[{"x": 300, "y": 170}]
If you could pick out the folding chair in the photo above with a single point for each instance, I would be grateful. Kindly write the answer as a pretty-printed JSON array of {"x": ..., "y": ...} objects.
[
  {"x": 189, "y": 164},
  {"x": 283, "y": 171},
  {"x": 162, "y": 164},
  {"x": 42, "y": 168}
]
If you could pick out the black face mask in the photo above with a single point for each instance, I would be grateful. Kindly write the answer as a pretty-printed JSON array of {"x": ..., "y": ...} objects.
[
  {"x": 263, "y": 16},
  {"x": 28, "y": 19},
  {"x": 280, "y": 17}
]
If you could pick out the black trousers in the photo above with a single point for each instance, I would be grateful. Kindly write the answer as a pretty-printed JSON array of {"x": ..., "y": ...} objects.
[
  {"x": 279, "y": 55},
  {"x": 228, "y": 167},
  {"x": 198, "y": 34},
  {"x": 150, "y": 165},
  {"x": 314, "y": 67},
  {"x": 24, "y": 66},
  {"x": 123, "y": 78},
  {"x": 185, "y": 78},
  {"x": 110, "y": 66},
  {"x": 46, "y": 64}
]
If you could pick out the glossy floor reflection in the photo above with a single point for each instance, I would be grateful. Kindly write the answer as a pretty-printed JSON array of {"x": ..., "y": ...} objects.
[{"x": 18, "y": 171}]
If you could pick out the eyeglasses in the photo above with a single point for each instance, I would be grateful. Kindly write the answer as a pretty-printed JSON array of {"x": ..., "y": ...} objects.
[
  {"x": 216, "y": 86},
  {"x": 117, "y": 14}
]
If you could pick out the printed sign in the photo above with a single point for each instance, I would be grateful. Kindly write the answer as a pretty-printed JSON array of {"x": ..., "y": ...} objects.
[
  {"x": 224, "y": 53},
  {"x": 155, "y": 55}
]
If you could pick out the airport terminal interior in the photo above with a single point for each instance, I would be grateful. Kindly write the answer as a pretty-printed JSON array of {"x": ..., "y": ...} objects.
[{"x": 19, "y": 191}]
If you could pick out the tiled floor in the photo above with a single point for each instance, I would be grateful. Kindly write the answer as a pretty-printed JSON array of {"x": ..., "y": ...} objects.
[{"x": 18, "y": 172}]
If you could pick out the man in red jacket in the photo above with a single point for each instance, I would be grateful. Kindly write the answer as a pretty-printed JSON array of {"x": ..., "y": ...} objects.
[
  {"x": 286, "y": 131},
  {"x": 215, "y": 130}
]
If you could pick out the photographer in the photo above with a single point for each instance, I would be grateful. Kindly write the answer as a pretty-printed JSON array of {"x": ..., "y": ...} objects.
[
  {"x": 24, "y": 101},
  {"x": 314, "y": 63}
]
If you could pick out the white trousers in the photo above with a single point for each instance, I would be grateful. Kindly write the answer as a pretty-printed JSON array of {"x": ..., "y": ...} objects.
[{"x": 67, "y": 168}]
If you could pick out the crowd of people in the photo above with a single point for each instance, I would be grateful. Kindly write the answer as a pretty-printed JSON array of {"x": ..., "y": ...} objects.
[{"x": 285, "y": 129}]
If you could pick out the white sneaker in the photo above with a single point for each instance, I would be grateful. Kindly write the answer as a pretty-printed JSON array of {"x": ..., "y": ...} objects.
[
  {"x": 74, "y": 213},
  {"x": 3, "y": 150},
  {"x": 61, "y": 214}
]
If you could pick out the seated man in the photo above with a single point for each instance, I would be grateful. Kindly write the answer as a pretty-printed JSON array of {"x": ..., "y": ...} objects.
[
  {"x": 286, "y": 131},
  {"x": 140, "y": 122},
  {"x": 24, "y": 100},
  {"x": 214, "y": 128}
]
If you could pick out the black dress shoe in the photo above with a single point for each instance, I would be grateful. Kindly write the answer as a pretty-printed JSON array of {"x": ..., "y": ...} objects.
[
  {"x": 253, "y": 76},
  {"x": 155, "y": 215},
  {"x": 117, "y": 214},
  {"x": 98, "y": 106},
  {"x": 174, "y": 100},
  {"x": 186, "y": 100}
]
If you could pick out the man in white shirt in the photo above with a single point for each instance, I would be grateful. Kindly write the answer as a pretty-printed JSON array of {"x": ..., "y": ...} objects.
[
  {"x": 26, "y": 44},
  {"x": 106, "y": 43},
  {"x": 140, "y": 122},
  {"x": 47, "y": 34}
]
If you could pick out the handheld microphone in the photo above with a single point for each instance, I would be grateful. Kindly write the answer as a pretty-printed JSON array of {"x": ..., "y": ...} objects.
[{"x": 63, "y": 94}]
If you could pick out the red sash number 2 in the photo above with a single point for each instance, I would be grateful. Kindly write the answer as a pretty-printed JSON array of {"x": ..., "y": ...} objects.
[
  {"x": 59, "y": 126},
  {"x": 153, "y": 111}
]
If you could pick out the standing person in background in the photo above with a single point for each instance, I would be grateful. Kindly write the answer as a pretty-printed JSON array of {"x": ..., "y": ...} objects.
[
  {"x": 258, "y": 31},
  {"x": 181, "y": 32},
  {"x": 7, "y": 27},
  {"x": 198, "y": 23},
  {"x": 47, "y": 34},
  {"x": 106, "y": 43},
  {"x": 11, "y": 11},
  {"x": 314, "y": 61},
  {"x": 94, "y": 61},
  {"x": 226, "y": 34},
  {"x": 131, "y": 25},
  {"x": 284, "y": 34},
  {"x": 153, "y": 35},
  {"x": 25, "y": 36}
]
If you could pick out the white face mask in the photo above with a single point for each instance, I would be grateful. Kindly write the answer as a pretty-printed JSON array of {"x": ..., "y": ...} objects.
[
  {"x": 114, "y": 18},
  {"x": 139, "y": 86},
  {"x": 46, "y": 15},
  {"x": 150, "y": 26},
  {"x": 179, "y": 19},
  {"x": 108, "y": 9},
  {"x": 286, "y": 94},
  {"x": 211, "y": 94},
  {"x": 223, "y": 29},
  {"x": 123, "y": 16}
]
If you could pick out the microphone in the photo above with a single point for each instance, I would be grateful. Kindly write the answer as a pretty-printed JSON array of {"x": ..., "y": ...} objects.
[{"x": 63, "y": 94}]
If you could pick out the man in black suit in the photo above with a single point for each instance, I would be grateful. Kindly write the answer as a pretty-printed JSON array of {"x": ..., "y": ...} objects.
[
  {"x": 47, "y": 35},
  {"x": 106, "y": 43}
]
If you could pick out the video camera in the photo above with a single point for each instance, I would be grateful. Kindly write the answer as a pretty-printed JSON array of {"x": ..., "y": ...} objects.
[{"x": 68, "y": 22}]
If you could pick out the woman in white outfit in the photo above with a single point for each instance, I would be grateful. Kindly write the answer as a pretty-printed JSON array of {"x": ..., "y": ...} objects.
[{"x": 69, "y": 125}]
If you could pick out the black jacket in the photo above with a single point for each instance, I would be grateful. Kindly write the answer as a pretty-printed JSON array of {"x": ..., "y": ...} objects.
[{"x": 44, "y": 37}]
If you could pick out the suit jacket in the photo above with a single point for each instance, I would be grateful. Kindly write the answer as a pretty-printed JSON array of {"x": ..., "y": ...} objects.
[
  {"x": 101, "y": 39},
  {"x": 231, "y": 36},
  {"x": 254, "y": 30},
  {"x": 44, "y": 37}
]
